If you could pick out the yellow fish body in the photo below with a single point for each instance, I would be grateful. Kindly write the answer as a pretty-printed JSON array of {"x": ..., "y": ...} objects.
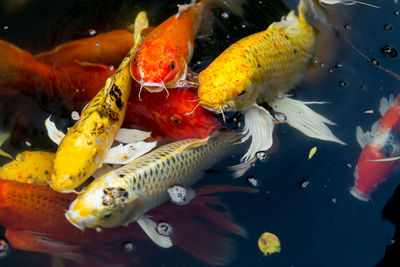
[
  {"x": 29, "y": 167},
  {"x": 124, "y": 195},
  {"x": 259, "y": 67},
  {"x": 86, "y": 144}
]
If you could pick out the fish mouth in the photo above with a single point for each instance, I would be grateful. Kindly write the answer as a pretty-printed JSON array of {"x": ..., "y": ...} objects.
[
  {"x": 153, "y": 87},
  {"x": 75, "y": 223}
]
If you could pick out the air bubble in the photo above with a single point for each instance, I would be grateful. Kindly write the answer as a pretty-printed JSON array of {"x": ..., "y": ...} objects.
[
  {"x": 390, "y": 51},
  {"x": 253, "y": 181},
  {"x": 28, "y": 144},
  {"x": 363, "y": 87},
  {"x": 387, "y": 27},
  {"x": 4, "y": 248},
  {"x": 128, "y": 247},
  {"x": 304, "y": 183},
  {"x": 334, "y": 200},
  {"x": 110, "y": 67},
  {"x": 261, "y": 155},
  {"x": 338, "y": 65},
  {"x": 347, "y": 27},
  {"x": 5, "y": 27},
  {"x": 75, "y": 115},
  {"x": 225, "y": 15},
  {"x": 98, "y": 229},
  {"x": 92, "y": 32},
  {"x": 348, "y": 165},
  {"x": 97, "y": 44},
  {"x": 375, "y": 61},
  {"x": 164, "y": 229},
  {"x": 397, "y": 13},
  {"x": 343, "y": 83},
  {"x": 280, "y": 117}
]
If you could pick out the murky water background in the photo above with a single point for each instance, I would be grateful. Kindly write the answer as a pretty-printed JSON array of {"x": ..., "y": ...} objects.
[{"x": 319, "y": 224}]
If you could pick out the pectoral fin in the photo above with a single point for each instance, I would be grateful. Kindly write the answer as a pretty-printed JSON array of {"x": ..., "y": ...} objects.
[
  {"x": 54, "y": 134},
  {"x": 149, "y": 227},
  {"x": 123, "y": 154},
  {"x": 385, "y": 104},
  {"x": 363, "y": 139},
  {"x": 131, "y": 135},
  {"x": 3, "y": 138}
]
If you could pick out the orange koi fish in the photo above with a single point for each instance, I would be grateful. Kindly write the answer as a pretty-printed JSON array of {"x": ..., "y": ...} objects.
[
  {"x": 161, "y": 61},
  {"x": 33, "y": 216}
]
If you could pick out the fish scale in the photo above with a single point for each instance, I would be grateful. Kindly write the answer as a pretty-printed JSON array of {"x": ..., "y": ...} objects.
[
  {"x": 123, "y": 195},
  {"x": 260, "y": 66}
]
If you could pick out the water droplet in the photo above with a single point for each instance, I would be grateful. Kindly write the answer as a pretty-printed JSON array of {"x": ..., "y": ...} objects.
[
  {"x": 321, "y": 65},
  {"x": 343, "y": 83},
  {"x": 164, "y": 229},
  {"x": 97, "y": 44},
  {"x": 390, "y": 51},
  {"x": 244, "y": 26},
  {"x": 375, "y": 61},
  {"x": 5, "y": 27},
  {"x": 253, "y": 181},
  {"x": 334, "y": 200},
  {"x": 392, "y": 241},
  {"x": 330, "y": 70},
  {"x": 387, "y": 27},
  {"x": 304, "y": 183},
  {"x": 347, "y": 27},
  {"x": 4, "y": 248},
  {"x": 338, "y": 65},
  {"x": 348, "y": 165},
  {"x": 128, "y": 247},
  {"x": 280, "y": 116},
  {"x": 225, "y": 15},
  {"x": 397, "y": 13},
  {"x": 228, "y": 36},
  {"x": 316, "y": 61},
  {"x": 110, "y": 67},
  {"x": 75, "y": 115},
  {"x": 363, "y": 87},
  {"x": 28, "y": 144},
  {"x": 261, "y": 155},
  {"x": 99, "y": 229},
  {"x": 92, "y": 32}
]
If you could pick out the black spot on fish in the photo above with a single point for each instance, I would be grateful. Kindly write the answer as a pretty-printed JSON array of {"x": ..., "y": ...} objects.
[
  {"x": 121, "y": 175},
  {"x": 115, "y": 95},
  {"x": 295, "y": 51}
]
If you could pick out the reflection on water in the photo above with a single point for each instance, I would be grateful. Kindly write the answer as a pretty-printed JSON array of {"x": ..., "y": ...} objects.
[{"x": 305, "y": 202}]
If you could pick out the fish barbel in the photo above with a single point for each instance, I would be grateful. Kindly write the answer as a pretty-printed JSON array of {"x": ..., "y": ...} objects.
[
  {"x": 86, "y": 144},
  {"x": 124, "y": 195}
]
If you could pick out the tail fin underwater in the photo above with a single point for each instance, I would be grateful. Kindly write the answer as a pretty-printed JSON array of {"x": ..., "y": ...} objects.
[
  {"x": 199, "y": 229},
  {"x": 311, "y": 12}
]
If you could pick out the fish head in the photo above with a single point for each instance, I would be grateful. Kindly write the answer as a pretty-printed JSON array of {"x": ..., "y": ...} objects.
[
  {"x": 106, "y": 203},
  {"x": 156, "y": 66},
  {"x": 180, "y": 116}
]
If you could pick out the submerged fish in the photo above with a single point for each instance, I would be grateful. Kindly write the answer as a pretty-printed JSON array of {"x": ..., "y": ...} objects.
[
  {"x": 175, "y": 118},
  {"x": 34, "y": 219},
  {"x": 86, "y": 144},
  {"x": 381, "y": 150},
  {"x": 124, "y": 195},
  {"x": 162, "y": 59},
  {"x": 261, "y": 68}
]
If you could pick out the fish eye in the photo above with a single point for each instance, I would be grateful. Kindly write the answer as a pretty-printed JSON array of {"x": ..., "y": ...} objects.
[
  {"x": 134, "y": 59},
  {"x": 242, "y": 93},
  {"x": 172, "y": 66},
  {"x": 175, "y": 119},
  {"x": 226, "y": 106},
  {"x": 107, "y": 216}
]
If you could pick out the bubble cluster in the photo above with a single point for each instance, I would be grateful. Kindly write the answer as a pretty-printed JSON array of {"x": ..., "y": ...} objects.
[
  {"x": 390, "y": 51},
  {"x": 261, "y": 155},
  {"x": 387, "y": 27},
  {"x": 225, "y": 15}
]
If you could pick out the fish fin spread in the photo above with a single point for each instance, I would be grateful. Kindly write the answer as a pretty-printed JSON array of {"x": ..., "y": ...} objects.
[
  {"x": 123, "y": 154},
  {"x": 31, "y": 241},
  {"x": 347, "y": 3},
  {"x": 54, "y": 134},
  {"x": 363, "y": 138},
  {"x": 258, "y": 126},
  {"x": 149, "y": 227},
  {"x": 141, "y": 23},
  {"x": 385, "y": 104},
  {"x": 304, "y": 119},
  {"x": 131, "y": 135},
  {"x": 3, "y": 137},
  {"x": 385, "y": 159},
  {"x": 311, "y": 11}
]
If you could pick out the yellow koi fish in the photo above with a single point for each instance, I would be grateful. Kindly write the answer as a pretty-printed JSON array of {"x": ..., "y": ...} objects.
[
  {"x": 260, "y": 68},
  {"x": 86, "y": 144},
  {"x": 124, "y": 195}
]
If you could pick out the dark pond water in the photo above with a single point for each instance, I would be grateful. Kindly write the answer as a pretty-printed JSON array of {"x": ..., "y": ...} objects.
[{"x": 318, "y": 225}]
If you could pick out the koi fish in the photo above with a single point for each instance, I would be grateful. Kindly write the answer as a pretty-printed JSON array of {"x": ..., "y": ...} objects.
[
  {"x": 261, "y": 68},
  {"x": 177, "y": 118},
  {"x": 124, "y": 195},
  {"x": 37, "y": 223},
  {"x": 86, "y": 144},
  {"x": 381, "y": 150},
  {"x": 106, "y": 48},
  {"x": 162, "y": 59}
]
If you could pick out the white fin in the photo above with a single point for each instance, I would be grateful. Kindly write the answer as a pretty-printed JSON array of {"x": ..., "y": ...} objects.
[
  {"x": 347, "y": 2},
  {"x": 3, "y": 138},
  {"x": 242, "y": 168},
  {"x": 54, "y": 134},
  {"x": 102, "y": 170},
  {"x": 314, "y": 14},
  {"x": 359, "y": 195},
  {"x": 385, "y": 159},
  {"x": 131, "y": 135},
  {"x": 305, "y": 119},
  {"x": 123, "y": 154},
  {"x": 374, "y": 128},
  {"x": 182, "y": 8},
  {"x": 363, "y": 139},
  {"x": 149, "y": 227},
  {"x": 385, "y": 104},
  {"x": 180, "y": 195}
]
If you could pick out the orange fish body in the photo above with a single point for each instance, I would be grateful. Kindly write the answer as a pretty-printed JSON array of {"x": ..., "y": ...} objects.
[
  {"x": 34, "y": 218},
  {"x": 161, "y": 61}
]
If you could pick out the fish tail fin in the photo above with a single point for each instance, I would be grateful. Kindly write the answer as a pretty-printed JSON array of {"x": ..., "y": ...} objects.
[
  {"x": 17, "y": 67},
  {"x": 311, "y": 12},
  {"x": 30, "y": 241},
  {"x": 201, "y": 230},
  {"x": 304, "y": 119},
  {"x": 3, "y": 137}
]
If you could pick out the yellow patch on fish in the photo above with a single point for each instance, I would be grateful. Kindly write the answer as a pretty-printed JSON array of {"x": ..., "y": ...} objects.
[
  {"x": 312, "y": 152},
  {"x": 269, "y": 243}
]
